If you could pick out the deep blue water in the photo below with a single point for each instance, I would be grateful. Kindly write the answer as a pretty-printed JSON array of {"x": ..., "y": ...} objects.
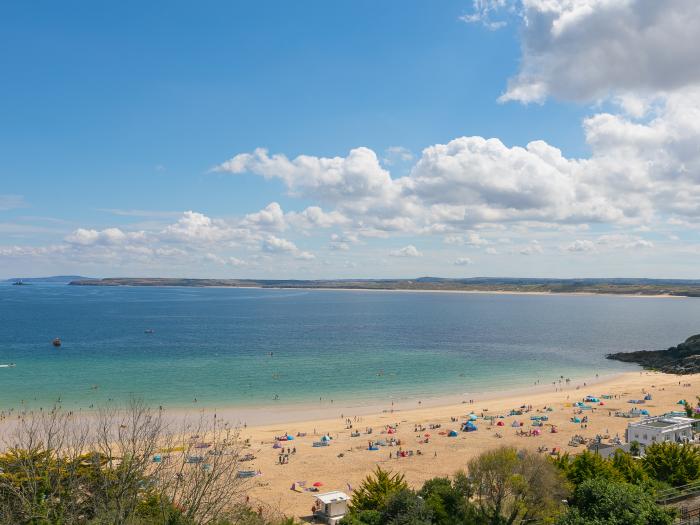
[{"x": 215, "y": 344}]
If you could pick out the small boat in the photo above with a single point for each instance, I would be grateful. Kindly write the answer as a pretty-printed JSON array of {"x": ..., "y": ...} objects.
[
  {"x": 56, "y": 342},
  {"x": 8, "y": 365},
  {"x": 19, "y": 283},
  {"x": 149, "y": 331}
]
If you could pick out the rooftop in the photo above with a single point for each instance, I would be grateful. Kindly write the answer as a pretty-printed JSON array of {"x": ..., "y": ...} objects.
[{"x": 332, "y": 497}]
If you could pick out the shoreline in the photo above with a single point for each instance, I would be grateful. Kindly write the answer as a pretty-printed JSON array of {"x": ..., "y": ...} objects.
[
  {"x": 404, "y": 290},
  {"x": 305, "y": 412}
]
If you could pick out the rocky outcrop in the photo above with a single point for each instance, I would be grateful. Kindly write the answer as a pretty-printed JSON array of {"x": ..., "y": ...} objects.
[{"x": 681, "y": 359}]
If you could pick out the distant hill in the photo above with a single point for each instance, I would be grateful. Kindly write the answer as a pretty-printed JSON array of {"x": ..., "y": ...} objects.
[
  {"x": 52, "y": 279},
  {"x": 615, "y": 286}
]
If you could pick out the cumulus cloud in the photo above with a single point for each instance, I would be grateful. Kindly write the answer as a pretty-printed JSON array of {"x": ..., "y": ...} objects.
[
  {"x": 270, "y": 217},
  {"x": 274, "y": 244},
  {"x": 533, "y": 248},
  {"x": 463, "y": 261},
  {"x": 588, "y": 49},
  {"x": 581, "y": 246},
  {"x": 406, "y": 251},
  {"x": 470, "y": 238},
  {"x": 109, "y": 236}
]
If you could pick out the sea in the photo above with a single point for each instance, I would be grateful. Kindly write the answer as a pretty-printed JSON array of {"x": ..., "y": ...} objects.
[{"x": 217, "y": 347}]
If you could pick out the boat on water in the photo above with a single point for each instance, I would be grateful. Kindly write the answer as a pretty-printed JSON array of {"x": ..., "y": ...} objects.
[
  {"x": 149, "y": 331},
  {"x": 8, "y": 365},
  {"x": 56, "y": 342},
  {"x": 20, "y": 283}
]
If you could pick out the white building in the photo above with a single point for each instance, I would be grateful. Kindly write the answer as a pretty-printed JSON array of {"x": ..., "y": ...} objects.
[
  {"x": 659, "y": 429},
  {"x": 331, "y": 507}
]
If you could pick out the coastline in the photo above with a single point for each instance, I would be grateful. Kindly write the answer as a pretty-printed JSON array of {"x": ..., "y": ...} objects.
[{"x": 404, "y": 290}]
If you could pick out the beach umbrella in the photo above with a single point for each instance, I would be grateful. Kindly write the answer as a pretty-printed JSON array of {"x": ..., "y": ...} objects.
[
  {"x": 500, "y": 423},
  {"x": 318, "y": 484},
  {"x": 453, "y": 433},
  {"x": 290, "y": 437},
  {"x": 515, "y": 424},
  {"x": 473, "y": 417},
  {"x": 326, "y": 438},
  {"x": 681, "y": 402},
  {"x": 536, "y": 432},
  {"x": 426, "y": 435}
]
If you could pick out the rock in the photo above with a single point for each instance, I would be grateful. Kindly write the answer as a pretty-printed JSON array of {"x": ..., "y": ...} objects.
[{"x": 681, "y": 359}]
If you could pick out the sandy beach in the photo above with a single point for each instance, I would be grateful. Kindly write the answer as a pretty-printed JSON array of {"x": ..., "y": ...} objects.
[{"x": 347, "y": 459}]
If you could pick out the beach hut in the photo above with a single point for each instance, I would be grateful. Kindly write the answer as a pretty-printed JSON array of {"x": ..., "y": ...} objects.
[
  {"x": 452, "y": 433},
  {"x": 331, "y": 507}
]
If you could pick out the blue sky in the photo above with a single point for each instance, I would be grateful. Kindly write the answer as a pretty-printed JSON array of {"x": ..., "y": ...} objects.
[{"x": 116, "y": 116}]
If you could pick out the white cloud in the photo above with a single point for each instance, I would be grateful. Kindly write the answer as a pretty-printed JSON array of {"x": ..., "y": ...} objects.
[
  {"x": 197, "y": 227},
  {"x": 484, "y": 11},
  {"x": 533, "y": 248},
  {"x": 581, "y": 246},
  {"x": 463, "y": 261},
  {"x": 590, "y": 49},
  {"x": 274, "y": 244},
  {"x": 108, "y": 236},
  {"x": 269, "y": 218},
  {"x": 406, "y": 251}
]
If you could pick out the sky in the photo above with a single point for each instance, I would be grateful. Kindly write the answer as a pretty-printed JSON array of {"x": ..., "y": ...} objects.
[{"x": 350, "y": 139}]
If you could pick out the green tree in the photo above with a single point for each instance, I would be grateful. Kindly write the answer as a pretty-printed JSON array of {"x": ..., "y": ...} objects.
[
  {"x": 629, "y": 468},
  {"x": 512, "y": 487},
  {"x": 448, "y": 500},
  {"x": 376, "y": 489},
  {"x": 589, "y": 465},
  {"x": 672, "y": 463},
  {"x": 405, "y": 507},
  {"x": 600, "y": 501}
]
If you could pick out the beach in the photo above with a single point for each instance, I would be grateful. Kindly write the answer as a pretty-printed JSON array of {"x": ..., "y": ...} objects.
[{"x": 346, "y": 461}]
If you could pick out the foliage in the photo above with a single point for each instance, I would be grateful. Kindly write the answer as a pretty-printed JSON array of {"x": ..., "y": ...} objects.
[
  {"x": 375, "y": 490},
  {"x": 512, "y": 487},
  {"x": 587, "y": 465},
  {"x": 632, "y": 470},
  {"x": 449, "y": 500},
  {"x": 600, "y": 501},
  {"x": 672, "y": 463},
  {"x": 64, "y": 470},
  {"x": 405, "y": 507}
]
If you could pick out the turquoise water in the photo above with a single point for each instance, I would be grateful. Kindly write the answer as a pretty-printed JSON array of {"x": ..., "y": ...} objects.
[{"x": 215, "y": 344}]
